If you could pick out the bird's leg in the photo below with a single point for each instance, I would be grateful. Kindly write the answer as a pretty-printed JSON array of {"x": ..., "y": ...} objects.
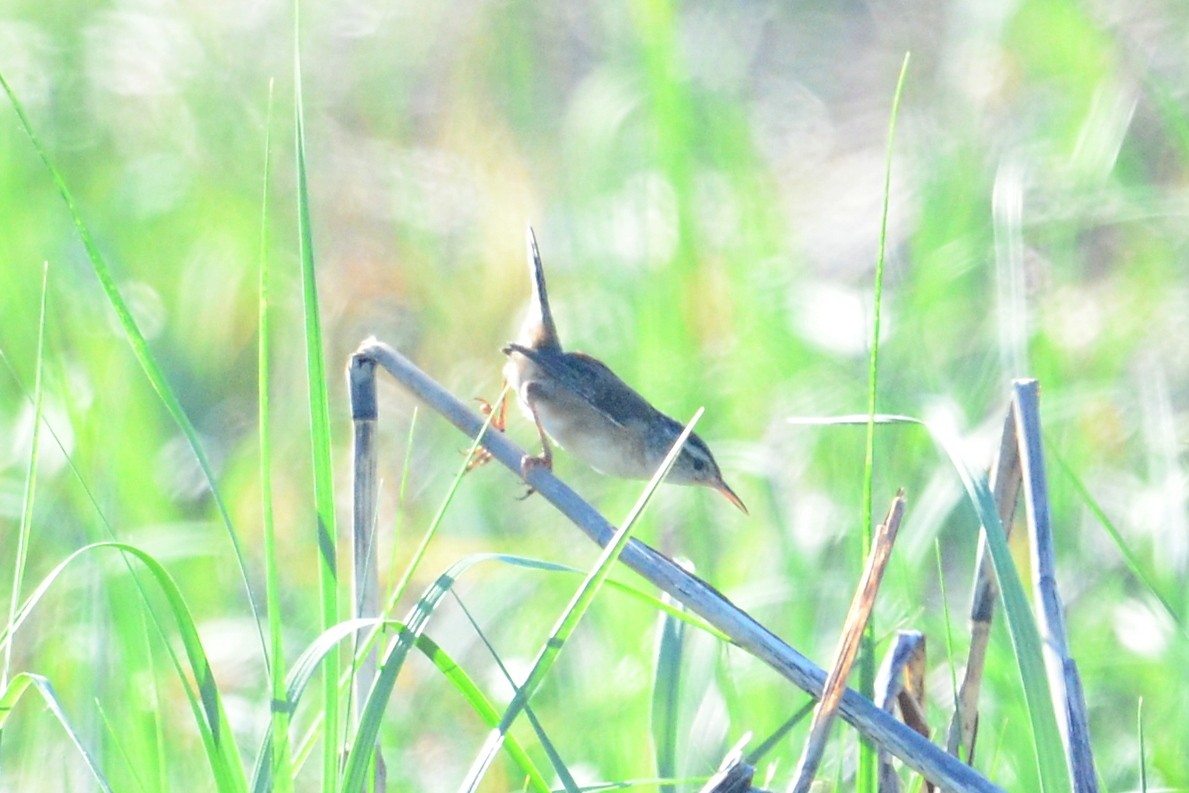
[
  {"x": 545, "y": 458},
  {"x": 542, "y": 460},
  {"x": 481, "y": 456}
]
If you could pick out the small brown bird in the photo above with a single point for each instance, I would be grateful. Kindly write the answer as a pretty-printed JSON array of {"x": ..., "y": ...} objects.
[{"x": 581, "y": 405}]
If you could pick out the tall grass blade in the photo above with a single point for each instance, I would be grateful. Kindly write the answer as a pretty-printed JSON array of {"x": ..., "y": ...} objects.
[
  {"x": 327, "y": 536},
  {"x": 11, "y": 695},
  {"x": 868, "y": 759},
  {"x": 1143, "y": 759},
  {"x": 205, "y": 701},
  {"x": 410, "y": 634},
  {"x": 666, "y": 699},
  {"x": 278, "y": 715},
  {"x": 144, "y": 356},
  {"x": 304, "y": 668},
  {"x": 359, "y": 755},
  {"x": 951, "y": 652},
  {"x": 492, "y": 716},
  {"x": 22, "y": 550},
  {"x": 1129, "y": 556}
]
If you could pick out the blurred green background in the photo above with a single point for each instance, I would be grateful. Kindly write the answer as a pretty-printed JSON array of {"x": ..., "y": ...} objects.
[{"x": 705, "y": 180}]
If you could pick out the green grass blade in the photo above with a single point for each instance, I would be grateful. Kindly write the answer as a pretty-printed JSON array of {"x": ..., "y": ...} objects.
[
  {"x": 12, "y": 695},
  {"x": 951, "y": 653},
  {"x": 1143, "y": 760},
  {"x": 22, "y": 550},
  {"x": 483, "y": 707},
  {"x": 773, "y": 740},
  {"x": 373, "y": 709},
  {"x": 1025, "y": 636},
  {"x": 868, "y": 759},
  {"x": 324, "y": 646},
  {"x": 327, "y": 535},
  {"x": 205, "y": 702},
  {"x": 570, "y": 618},
  {"x": 279, "y": 716},
  {"x": 408, "y": 637},
  {"x": 1129, "y": 557},
  {"x": 117, "y": 738},
  {"x": 140, "y": 349},
  {"x": 666, "y": 699}
]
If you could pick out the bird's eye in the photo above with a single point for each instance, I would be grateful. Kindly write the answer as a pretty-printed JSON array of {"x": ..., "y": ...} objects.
[{"x": 699, "y": 464}]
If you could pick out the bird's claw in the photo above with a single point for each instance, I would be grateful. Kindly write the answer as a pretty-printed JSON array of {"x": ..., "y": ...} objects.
[
  {"x": 482, "y": 456},
  {"x": 529, "y": 462}
]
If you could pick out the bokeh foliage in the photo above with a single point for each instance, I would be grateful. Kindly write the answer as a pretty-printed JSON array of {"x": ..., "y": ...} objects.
[{"x": 705, "y": 182}]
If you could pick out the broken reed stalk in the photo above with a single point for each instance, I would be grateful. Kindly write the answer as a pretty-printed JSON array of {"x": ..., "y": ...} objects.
[
  {"x": 365, "y": 599},
  {"x": 735, "y": 774},
  {"x": 901, "y": 681},
  {"x": 701, "y": 598},
  {"x": 1004, "y": 481},
  {"x": 1065, "y": 684},
  {"x": 848, "y": 645},
  {"x": 1020, "y": 464}
]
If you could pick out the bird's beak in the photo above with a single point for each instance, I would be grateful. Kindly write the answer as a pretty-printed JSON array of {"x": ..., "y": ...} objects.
[{"x": 722, "y": 487}]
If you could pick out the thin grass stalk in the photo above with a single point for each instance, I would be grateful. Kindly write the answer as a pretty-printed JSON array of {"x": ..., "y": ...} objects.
[
  {"x": 485, "y": 710},
  {"x": 772, "y": 741},
  {"x": 1143, "y": 754},
  {"x": 867, "y": 770},
  {"x": 951, "y": 654},
  {"x": 119, "y": 739},
  {"x": 22, "y": 550},
  {"x": 1130, "y": 558},
  {"x": 203, "y": 695},
  {"x": 1065, "y": 684},
  {"x": 326, "y": 533},
  {"x": 278, "y": 712},
  {"x": 555, "y": 759},
  {"x": 666, "y": 699},
  {"x": 1011, "y": 302},
  {"x": 686, "y": 588},
  {"x": 11, "y": 694}
]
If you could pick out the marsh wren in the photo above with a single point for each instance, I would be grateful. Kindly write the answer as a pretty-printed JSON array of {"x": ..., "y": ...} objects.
[{"x": 581, "y": 405}]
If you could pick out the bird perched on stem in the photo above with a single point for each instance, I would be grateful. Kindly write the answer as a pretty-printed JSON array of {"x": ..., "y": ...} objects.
[{"x": 579, "y": 403}]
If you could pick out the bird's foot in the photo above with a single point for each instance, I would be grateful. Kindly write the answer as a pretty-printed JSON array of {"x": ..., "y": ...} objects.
[
  {"x": 482, "y": 456},
  {"x": 528, "y": 463}
]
